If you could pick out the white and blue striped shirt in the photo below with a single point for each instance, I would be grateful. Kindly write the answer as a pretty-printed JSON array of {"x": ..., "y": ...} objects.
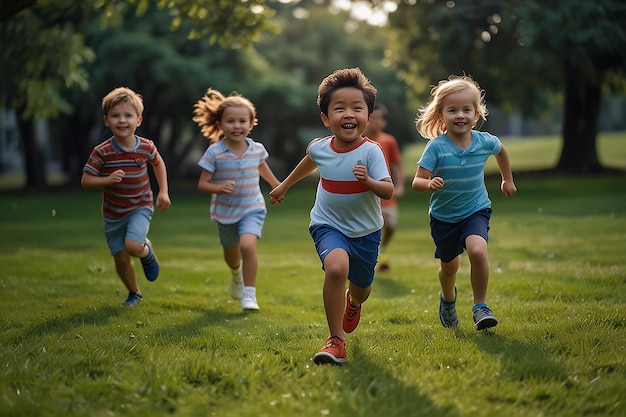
[{"x": 226, "y": 166}]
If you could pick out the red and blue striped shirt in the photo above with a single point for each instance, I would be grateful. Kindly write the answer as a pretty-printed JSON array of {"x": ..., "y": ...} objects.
[{"x": 119, "y": 200}]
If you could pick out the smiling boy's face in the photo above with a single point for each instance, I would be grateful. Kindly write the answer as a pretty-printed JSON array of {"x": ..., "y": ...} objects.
[
  {"x": 123, "y": 120},
  {"x": 347, "y": 116}
]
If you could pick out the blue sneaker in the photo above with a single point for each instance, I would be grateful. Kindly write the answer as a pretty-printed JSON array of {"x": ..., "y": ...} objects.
[
  {"x": 132, "y": 300},
  {"x": 447, "y": 311},
  {"x": 484, "y": 319},
  {"x": 150, "y": 263}
]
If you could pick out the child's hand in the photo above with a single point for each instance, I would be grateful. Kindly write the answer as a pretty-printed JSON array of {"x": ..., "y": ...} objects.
[
  {"x": 435, "y": 184},
  {"x": 163, "y": 202},
  {"x": 277, "y": 194},
  {"x": 116, "y": 176},
  {"x": 360, "y": 172},
  {"x": 508, "y": 188},
  {"x": 227, "y": 187}
]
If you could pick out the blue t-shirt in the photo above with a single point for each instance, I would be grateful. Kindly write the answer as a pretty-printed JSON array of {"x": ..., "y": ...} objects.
[
  {"x": 342, "y": 201},
  {"x": 462, "y": 170},
  {"x": 244, "y": 170}
]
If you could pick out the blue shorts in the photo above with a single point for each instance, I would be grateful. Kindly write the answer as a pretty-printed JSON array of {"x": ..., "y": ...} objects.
[
  {"x": 362, "y": 252},
  {"x": 450, "y": 238},
  {"x": 251, "y": 223},
  {"x": 134, "y": 226}
]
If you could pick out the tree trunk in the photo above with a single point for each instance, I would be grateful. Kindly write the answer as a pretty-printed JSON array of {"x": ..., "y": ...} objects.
[
  {"x": 33, "y": 158},
  {"x": 580, "y": 124}
]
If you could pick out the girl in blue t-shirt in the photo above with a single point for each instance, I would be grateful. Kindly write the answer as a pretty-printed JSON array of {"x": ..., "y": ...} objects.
[
  {"x": 452, "y": 167},
  {"x": 231, "y": 167}
]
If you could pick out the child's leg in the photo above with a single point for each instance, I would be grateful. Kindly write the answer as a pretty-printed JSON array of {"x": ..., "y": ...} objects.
[
  {"x": 247, "y": 245},
  {"x": 136, "y": 249},
  {"x": 479, "y": 261},
  {"x": 335, "y": 275},
  {"x": 447, "y": 278},
  {"x": 232, "y": 256},
  {"x": 126, "y": 272},
  {"x": 358, "y": 295}
]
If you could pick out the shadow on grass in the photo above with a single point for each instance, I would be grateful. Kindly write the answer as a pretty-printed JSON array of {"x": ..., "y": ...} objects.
[
  {"x": 520, "y": 360},
  {"x": 389, "y": 286},
  {"x": 372, "y": 390},
  {"x": 99, "y": 316}
]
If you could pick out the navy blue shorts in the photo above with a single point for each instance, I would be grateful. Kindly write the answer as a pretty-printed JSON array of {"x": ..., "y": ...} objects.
[
  {"x": 362, "y": 251},
  {"x": 450, "y": 238}
]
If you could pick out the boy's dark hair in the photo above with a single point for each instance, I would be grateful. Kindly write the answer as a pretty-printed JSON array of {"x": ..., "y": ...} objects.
[{"x": 347, "y": 77}]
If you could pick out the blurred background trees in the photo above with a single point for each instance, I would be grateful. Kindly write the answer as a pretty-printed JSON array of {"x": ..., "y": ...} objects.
[{"x": 538, "y": 61}]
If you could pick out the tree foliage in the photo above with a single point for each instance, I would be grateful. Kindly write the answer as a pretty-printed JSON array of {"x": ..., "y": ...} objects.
[{"x": 523, "y": 52}]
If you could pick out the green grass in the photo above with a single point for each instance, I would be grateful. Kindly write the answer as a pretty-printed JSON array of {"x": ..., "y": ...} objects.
[{"x": 557, "y": 284}]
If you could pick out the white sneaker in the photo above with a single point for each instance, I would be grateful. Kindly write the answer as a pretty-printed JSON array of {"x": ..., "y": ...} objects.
[
  {"x": 236, "y": 284},
  {"x": 248, "y": 299}
]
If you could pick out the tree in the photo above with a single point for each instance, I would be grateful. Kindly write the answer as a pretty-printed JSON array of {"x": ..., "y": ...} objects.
[
  {"x": 589, "y": 41},
  {"x": 44, "y": 54},
  {"x": 523, "y": 52},
  {"x": 40, "y": 59}
]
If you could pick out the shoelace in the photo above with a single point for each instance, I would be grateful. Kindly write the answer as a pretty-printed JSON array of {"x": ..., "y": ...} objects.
[
  {"x": 352, "y": 311},
  {"x": 482, "y": 312},
  {"x": 332, "y": 342}
]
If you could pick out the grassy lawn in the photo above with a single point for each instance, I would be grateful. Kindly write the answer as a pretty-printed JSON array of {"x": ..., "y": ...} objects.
[{"x": 557, "y": 285}]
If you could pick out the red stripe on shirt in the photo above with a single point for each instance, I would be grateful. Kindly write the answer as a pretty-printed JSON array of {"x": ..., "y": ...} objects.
[{"x": 343, "y": 187}]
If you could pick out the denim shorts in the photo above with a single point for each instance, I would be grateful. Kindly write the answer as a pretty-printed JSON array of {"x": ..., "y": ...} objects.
[
  {"x": 362, "y": 251},
  {"x": 450, "y": 238},
  {"x": 251, "y": 223},
  {"x": 134, "y": 226}
]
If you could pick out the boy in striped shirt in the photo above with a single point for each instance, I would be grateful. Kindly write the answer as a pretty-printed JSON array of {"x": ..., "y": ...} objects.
[{"x": 119, "y": 166}]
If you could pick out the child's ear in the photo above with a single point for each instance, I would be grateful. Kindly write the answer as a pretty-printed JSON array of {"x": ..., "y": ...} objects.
[{"x": 324, "y": 119}]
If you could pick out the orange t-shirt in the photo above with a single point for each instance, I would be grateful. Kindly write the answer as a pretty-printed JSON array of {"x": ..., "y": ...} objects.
[{"x": 390, "y": 147}]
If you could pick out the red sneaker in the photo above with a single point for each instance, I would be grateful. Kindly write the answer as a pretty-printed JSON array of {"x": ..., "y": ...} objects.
[
  {"x": 351, "y": 315},
  {"x": 334, "y": 352}
]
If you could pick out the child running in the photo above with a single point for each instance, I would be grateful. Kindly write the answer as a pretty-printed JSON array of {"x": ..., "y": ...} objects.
[
  {"x": 119, "y": 166},
  {"x": 346, "y": 218},
  {"x": 389, "y": 144},
  {"x": 452, "y": 168},
  {"x": 231, "y": 166}
]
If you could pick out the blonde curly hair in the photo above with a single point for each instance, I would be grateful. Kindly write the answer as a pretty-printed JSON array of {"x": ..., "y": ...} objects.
[{"x": 208, "y": 111}]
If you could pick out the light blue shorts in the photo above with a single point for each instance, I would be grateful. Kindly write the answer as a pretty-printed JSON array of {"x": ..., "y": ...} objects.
[
  {"x": 134, "y": 226},
  {"x": 362, "y": 251},
  {"x": 251, "y": 223}
]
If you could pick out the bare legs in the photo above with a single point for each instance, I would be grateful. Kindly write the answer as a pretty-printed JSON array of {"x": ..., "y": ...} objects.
[
  {"x": 123, "y": 264},
  {"x": 479, "y": 275},
  {"x": 244, "y": 253},
  {"x": 336, "y": 266}
]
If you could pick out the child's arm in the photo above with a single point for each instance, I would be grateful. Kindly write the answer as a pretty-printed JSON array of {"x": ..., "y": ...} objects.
[
  {"x": 382, "y": 188},
  {"x": 206, "y": 186},
  {"x": 266, "y": 173},
  {"x": 163, "y": 201},
  {"x": 422, "y": 181},
  {"x": 90, "y": 181},
  {"x": 304, "y": 168},
  {"x": 397, "y": 175},
  {"x": 508, "y": 186}
]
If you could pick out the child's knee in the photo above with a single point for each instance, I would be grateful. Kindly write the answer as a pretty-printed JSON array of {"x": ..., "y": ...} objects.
[{"x": 135, "y": 248}]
